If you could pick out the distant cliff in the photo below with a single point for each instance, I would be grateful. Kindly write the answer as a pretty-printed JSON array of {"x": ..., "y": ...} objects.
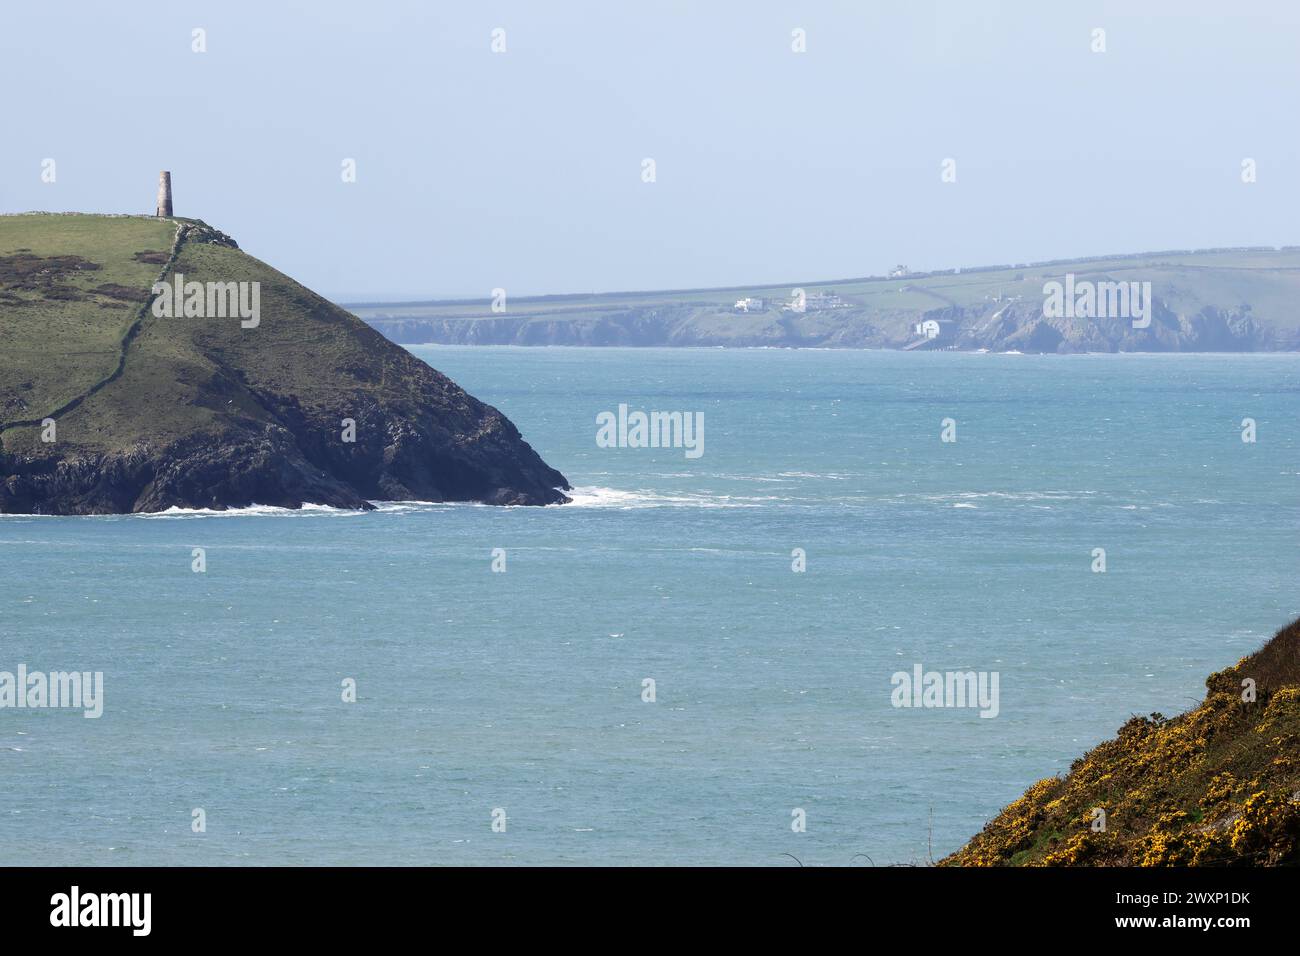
[
  {"x": 1218, "y": 785},
  {"x": 1193, "y": 300},
  {"x": 255, "y": 390}
]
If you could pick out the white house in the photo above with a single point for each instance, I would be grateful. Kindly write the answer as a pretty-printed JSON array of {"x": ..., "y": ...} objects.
[{"x": 929, "y": 329}]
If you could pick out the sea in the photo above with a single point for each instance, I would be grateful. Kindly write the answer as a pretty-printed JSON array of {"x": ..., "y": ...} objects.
[{"x": 696, "y": 661}]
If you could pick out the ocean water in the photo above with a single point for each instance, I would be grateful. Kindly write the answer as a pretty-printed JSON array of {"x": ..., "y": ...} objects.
[{"x": 523, "y": 690}]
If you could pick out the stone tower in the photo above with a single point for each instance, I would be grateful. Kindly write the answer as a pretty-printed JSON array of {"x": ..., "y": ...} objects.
[{"x": 164, "y": 193}]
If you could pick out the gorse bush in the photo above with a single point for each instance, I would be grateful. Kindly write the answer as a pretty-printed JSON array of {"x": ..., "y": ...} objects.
[{"x": 1216, "y": 786}]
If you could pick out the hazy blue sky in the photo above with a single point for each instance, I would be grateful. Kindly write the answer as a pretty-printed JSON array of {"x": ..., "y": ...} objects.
[{"x": 523, "y": 169}]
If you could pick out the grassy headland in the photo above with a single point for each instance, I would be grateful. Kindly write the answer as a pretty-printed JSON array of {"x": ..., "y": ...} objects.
[{"x": 152, "y": 411}]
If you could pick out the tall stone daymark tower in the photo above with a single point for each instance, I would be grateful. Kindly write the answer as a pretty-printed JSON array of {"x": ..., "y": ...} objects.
[{"x": 164, "y": 194}]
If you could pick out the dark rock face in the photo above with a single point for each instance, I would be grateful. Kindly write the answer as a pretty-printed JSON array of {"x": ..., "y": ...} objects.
[
  {"x": 192, "y": 474},
  {"x": 276, "y": 466},
  {"x": 469, "y": 454}
]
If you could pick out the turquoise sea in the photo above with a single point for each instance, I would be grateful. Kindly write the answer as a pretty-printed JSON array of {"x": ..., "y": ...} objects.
[{"x": 523, "y": 690}]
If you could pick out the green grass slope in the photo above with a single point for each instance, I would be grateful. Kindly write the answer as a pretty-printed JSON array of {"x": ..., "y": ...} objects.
[
  {"x": 70, "y": 286},
  {"x": 1216, "y": 786}
]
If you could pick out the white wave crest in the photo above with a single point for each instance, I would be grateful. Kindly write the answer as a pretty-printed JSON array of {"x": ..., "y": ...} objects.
[{"x": 592, "y": 496}]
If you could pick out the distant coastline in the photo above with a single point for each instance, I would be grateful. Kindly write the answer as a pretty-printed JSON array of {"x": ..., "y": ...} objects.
[{"x": 1204, "y": 300}]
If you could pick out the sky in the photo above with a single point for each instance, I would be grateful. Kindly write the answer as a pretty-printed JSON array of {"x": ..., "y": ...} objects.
[{"x": 525, "y": 169}]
